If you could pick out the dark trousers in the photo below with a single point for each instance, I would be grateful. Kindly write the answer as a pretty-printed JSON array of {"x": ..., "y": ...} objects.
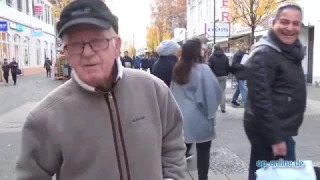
[
  {"x": 261, "y": 150},
  {"x": 48, "y": 72},
  {"x": 6, "y": 76},
  {"x": 203, "y": 158},
  {"x": 14, "y": 77}
]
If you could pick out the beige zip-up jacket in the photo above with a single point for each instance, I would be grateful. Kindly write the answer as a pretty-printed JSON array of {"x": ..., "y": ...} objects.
[{"x": 134, "y": 132}]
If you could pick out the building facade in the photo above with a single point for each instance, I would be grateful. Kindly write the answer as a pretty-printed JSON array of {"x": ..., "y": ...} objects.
[{"x": 26, "y": 36}]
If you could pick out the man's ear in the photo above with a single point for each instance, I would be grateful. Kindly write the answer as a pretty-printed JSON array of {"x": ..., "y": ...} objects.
[{"x": 118, "y": 43}]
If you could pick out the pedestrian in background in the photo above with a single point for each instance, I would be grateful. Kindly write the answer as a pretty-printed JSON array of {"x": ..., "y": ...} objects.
[
  {"x": 198, "y": 94},
  {"x": 163, "y": 67},
  {"x": 6, "y": 69},
  {"x": 277, "y": 92},
  {"x": 14, "y": 67},
  {"x": 219, "y": 64},
  {"x": 47, "y": 65},
  {"x": 145, "y": 62},
  {"x": 92, "y": 127},
  {"x": 126, "y": 60},
  {"x": 240, "y": 72}
]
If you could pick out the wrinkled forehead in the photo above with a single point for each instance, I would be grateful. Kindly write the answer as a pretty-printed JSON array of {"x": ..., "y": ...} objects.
[{"x": 86, "y": 32}]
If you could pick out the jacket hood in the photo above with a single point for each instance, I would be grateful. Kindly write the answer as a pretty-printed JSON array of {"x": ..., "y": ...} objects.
[
  {"x": 218, "y": 52},
  {"x": 266, "y": 41},
  {"x": 87, "y": 87}
]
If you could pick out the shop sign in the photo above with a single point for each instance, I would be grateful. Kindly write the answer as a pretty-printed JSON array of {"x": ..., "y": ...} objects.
[
  {"x": 222, "y": 30},
  {"x": 3, "y": 26},
  {"x": 37, "y": 32},
  {"x": 38, "y": 9},
  {"x": 16, "y": 26},
  {"x": 225, "y": 11}
]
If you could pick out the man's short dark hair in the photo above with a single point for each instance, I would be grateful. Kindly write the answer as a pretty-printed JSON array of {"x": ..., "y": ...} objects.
[
  {"x": 126, "y": 52},
  {"x": 287, "y": 6}
]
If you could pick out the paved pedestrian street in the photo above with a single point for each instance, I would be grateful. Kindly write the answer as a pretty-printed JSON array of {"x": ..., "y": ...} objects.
[{"x": 229, "y": 151}]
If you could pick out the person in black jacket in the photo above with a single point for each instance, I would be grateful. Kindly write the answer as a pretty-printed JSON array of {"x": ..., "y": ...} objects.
[
  {"x": 6, "y": 69},
  {"x": 241, "y": 74},
  {"x": 163, "y": 67},
  {"x": 126, "y": 60},
  {"x": 14, "y": 66},
  {"x": 276, "y": 90},
  {"x": 219, "y": 64}
]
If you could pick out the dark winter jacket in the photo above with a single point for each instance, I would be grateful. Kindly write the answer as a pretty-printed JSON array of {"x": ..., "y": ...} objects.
[
  {"x": 276, "y": 85},
  {"x": 238, "y": 69},
  {"x": 126, "y": 62},
  {"x": 163, "y": 68},
  {"x": 219, "y": 63},
  {"x": 14, "y": 66}
]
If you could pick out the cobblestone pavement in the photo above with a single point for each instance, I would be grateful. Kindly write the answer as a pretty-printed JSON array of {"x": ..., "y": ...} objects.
[{"x": 229, "y": 152}]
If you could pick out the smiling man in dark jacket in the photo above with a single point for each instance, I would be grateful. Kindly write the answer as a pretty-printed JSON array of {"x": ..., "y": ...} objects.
[
  {"x": 219, "y": 64},
  {"x": 276, "y": 90}
]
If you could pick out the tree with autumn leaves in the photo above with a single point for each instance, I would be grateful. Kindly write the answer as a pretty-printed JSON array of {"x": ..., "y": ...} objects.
[
  {"x": 166, "y": 15},
  {"x": 252, "y": 12}
]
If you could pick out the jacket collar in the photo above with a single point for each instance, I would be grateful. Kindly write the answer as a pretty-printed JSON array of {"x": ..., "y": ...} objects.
[{"x": 87, "y": 87}]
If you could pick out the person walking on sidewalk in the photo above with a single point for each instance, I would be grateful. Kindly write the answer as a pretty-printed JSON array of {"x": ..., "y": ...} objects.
[
  {"x": 127, "y": 61},
  {"x": 219, "y": 64},
  {"x": 163, "y": 67},
  {"x": 92, "y": 127},
  {"x": 47, "y": 65},
  {"x": 198, "y": 94},
  {"x": 276, "y": 90},
  {"x": 6, "y": 69},
  {"x": 240, "y": 72},
  {"x": 14, "y": 67}
]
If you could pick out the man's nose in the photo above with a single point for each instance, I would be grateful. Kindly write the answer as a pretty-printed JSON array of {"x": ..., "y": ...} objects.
[
  {"x": 87, "y": 50},
  {"x": 290, "y": 27}
]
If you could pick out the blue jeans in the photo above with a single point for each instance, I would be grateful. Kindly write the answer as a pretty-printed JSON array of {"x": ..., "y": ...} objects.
[{"x": 241, "y": 89}]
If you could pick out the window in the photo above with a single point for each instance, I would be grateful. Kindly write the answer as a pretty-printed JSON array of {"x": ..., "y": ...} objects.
[
  {"x": 38, "y": 51},
  {"x": 17, "y": 48},
  {"x": 45, "y": 50},
  {"x": 27, "y": 7},
  {"x": 19, "y": 5},
  {"x": 9, "y": 2},
  {"x": 51, "y": 51},
  {"x": 47, "y": 14},
  {"x": 43, "y": 11},
  {"x": 4, "y": 46},
  {"x": 200, "y": 12},
  {"x": 26, "y": 44}
]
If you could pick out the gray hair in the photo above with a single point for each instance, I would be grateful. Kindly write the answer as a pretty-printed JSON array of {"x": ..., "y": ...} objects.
[{"x": 167, "y": 48}]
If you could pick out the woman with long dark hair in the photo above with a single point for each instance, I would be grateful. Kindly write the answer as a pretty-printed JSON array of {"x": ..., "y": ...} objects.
[{"x": 198, "y": 94}]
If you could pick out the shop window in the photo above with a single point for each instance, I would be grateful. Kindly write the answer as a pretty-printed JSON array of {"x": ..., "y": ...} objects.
[
  {"x": 17, "y": 48},
  {"x": 19, "y": 5},
  {"x": 4, "y": 46},
  {"x": 38, "y": 51},
  {"x": 26, "y": 50},
  {"x": 9, "y": 2}
]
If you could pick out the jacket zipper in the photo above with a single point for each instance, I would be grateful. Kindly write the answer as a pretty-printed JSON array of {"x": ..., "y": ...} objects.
[{"x": 116, "y": 127}]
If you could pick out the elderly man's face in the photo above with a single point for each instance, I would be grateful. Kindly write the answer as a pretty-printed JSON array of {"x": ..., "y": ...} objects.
[{"x": 94, "y": 63}]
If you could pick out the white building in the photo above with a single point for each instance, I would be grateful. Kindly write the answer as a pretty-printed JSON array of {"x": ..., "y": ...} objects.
[
  {"x": 27, "y": 37},
  {"x": 200, "y": 18}
]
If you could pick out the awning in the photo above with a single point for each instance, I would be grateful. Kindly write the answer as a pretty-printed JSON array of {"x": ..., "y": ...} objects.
[
  {"x": 218, "y": 41},
  {"x": 260, "y": 33},
  {"x": 238, "y": 36}
]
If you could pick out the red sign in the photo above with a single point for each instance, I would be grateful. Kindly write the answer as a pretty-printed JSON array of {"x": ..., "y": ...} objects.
[
  {"x": 225, "y": 11},
  {"x": 38, "y": 9}
]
